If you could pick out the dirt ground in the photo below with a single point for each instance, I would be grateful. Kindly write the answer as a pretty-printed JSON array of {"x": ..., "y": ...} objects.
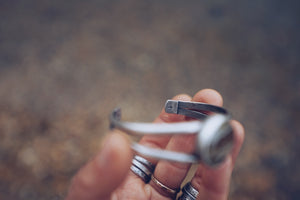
[{"x": 64, "y": 65}]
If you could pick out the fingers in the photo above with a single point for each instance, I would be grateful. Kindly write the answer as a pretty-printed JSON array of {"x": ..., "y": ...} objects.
[
  {"x": 162, "y": 141},
  {"x": 170, "y": 173},
  {"x": 214, "y": 183},
  {"x": 209, "y": 96},
  {"x": 206, "y": 96},
  {"x": 98, "y": 178}
]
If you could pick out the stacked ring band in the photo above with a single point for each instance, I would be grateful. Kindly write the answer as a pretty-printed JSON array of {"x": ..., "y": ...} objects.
[
  {"x": 142, "y": 168},
  {"x": 147, "y": 163},
  {"x": 188, "y": 192}
]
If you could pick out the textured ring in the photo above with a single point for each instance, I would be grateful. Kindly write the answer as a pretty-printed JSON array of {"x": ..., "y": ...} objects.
[
  {"x": 165, "y": 190},
  {"x": 140, "y": 173},
  {"x": 145, "y": 162},
  {"x": 142, "y": 168},
  {"x": 188, "y": 192}
]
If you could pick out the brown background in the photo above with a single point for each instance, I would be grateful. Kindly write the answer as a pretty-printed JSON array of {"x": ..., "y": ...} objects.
[{"x": 64, "y": 65}]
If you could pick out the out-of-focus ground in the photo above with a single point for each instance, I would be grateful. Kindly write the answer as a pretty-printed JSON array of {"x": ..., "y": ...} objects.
[{"x": 64, "y": 65}]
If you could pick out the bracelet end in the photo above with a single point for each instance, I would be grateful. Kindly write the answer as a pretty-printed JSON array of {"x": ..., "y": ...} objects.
[{"x": 171, "y": 106}]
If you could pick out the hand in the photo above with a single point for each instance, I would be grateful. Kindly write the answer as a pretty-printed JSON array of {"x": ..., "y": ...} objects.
[{"x": 108, "y": 175}]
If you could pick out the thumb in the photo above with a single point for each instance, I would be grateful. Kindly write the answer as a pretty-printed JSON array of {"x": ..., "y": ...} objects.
[{"x": 104, "y": 173}]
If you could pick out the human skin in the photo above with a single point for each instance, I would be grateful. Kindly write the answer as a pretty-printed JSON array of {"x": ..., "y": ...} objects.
[{"x": 108, "y": 175}]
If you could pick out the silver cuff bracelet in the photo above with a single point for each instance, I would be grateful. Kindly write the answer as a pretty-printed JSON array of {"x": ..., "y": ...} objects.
[{"x": 214, "y": 136}]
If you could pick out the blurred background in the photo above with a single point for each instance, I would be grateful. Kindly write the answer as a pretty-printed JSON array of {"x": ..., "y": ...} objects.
[{"x": 64, "y": 65}]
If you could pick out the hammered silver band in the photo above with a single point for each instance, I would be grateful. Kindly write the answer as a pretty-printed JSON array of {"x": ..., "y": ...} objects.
[
  {"x": 188, "y": 192},
  {"x": 142, "y": 168}
]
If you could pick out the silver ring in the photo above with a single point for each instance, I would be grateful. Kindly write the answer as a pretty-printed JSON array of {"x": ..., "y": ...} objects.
[
  {"x": 163, "y": 189},
  {"x": 188, "y": 192},
  {"x": 142, "y": 168},
  {"x": 140, "y": 173},
  {"x": 145, "y": 162}
]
